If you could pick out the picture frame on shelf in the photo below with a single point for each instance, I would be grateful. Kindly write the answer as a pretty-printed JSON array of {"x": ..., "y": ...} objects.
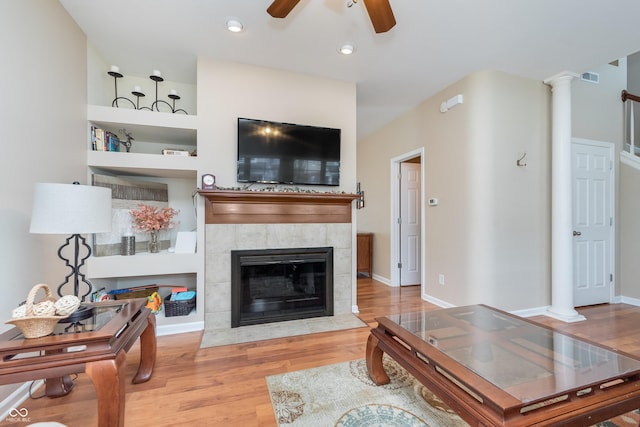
[{"x": 127, "y": 194}]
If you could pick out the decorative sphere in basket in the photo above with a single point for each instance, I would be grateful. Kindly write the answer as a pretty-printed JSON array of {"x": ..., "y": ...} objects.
[{"x": 39, "y": 319}]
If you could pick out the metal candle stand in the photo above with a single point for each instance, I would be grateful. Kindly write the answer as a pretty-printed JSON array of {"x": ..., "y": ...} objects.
[
  {"x": 136, "y": 105},
  {"x": 116, "y": 75}
]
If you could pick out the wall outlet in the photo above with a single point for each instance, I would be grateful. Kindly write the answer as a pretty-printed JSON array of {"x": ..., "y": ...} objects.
[{"x": 441, "y": 279}]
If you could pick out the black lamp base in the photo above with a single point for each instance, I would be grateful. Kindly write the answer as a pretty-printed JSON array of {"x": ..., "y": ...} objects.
[{"x": 83, "y": 312}]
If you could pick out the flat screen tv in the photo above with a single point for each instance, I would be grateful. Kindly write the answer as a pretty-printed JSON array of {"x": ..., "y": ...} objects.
[{"x": 284, "y": 153}]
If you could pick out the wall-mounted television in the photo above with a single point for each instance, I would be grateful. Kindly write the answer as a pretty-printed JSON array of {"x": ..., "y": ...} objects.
[{"x": 285, "y": 153}]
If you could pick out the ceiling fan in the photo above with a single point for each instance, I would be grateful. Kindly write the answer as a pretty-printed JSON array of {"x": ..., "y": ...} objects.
[{"x": 379, "y": 11}]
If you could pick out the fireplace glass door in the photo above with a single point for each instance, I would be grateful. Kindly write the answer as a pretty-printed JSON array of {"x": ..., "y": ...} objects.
[{"x": 274, "y": 285}]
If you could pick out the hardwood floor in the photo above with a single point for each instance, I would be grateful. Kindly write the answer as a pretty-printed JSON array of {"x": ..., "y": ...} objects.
[{"x": 225, "y": 386}]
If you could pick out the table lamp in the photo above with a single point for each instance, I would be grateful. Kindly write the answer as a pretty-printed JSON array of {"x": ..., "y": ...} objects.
[{"x": 72, "y": 209}]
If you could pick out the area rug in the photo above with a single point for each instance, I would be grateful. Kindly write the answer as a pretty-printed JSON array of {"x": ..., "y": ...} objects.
[{"x": 342, "y": 395}]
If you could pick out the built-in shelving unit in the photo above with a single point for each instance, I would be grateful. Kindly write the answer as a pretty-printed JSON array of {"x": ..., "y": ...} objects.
[{"x": 152, "y": 132}]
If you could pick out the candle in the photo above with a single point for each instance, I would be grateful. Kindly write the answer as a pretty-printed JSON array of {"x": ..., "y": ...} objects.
[
  {"x": 157, "y": 73},
  {"x": 136, "y": 89},
  {"x": 115, "y": 69},
  {"x": 173, "y": 92}
]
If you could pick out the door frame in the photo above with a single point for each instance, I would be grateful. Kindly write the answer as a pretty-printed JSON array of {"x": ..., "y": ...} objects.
[
  {"x": 394, "y": 204},
  {"x": 612, "y": 188}
]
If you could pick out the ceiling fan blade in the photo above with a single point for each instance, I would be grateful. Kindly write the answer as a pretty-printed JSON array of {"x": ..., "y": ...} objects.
[
  {"x": 281, "y": 8},
  {"x": 380, "y": 14}
]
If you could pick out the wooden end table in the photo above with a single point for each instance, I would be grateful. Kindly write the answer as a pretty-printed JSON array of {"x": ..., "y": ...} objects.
[
  {"x": 96, "y": 345},
  {"x": 497, "y": 369}
]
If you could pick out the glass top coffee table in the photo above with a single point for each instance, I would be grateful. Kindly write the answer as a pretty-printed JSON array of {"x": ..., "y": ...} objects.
[{"x": 497, "y": 369}]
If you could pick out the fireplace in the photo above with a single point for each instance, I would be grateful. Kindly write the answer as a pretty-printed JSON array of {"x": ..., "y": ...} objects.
[{"x": 274, "y": 285}]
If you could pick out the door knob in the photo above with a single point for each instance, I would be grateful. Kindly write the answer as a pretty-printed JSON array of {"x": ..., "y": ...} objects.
[{"x": 577, "y": 233}]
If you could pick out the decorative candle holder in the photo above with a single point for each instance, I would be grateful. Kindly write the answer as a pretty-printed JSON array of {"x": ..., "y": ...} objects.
[
  {"x": 137, "y": 92},
  {"x": 115, "y": 73},
  {"x": 157, "y": 78},
  {"x": 174, "y": 97}
]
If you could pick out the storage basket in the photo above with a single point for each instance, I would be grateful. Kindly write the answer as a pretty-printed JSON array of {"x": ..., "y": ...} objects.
[
  {"x": 178, "y": 308},
  {"x": 33, "y": 326},
  {"x": 132, "y": 293}
]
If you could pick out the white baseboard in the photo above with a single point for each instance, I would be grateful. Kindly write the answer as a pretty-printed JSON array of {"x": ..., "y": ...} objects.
[
  {"x": 382, "y": 280},
  {"x": 436, "y": 301},
  {"x": 179, "y": 328},
  {"x": 16, "y": 399},
  {"x": 530, "y": 312},
  {"x": 629, "y": 300}
]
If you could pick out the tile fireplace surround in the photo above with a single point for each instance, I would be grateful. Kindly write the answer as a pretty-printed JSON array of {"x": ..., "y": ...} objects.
[{"x": 287, "y": 223}]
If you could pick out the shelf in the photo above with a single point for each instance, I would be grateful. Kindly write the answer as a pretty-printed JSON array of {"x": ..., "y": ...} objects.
[
  {"x": 157, "y": 165},
  {"x": 163, "y": 128},
  {"x": 143, "y": 264},
  {"x": 262, "y": 207}
]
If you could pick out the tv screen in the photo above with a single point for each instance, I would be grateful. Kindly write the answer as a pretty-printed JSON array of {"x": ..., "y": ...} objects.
[{"x": 284, "y": 153}]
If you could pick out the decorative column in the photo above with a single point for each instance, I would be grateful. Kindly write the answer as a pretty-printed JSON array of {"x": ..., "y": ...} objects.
[{"x": 561, "y": 201}]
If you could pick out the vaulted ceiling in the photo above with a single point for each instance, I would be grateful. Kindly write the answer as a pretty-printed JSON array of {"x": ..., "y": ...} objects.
[{"x": 433, "y": 44}]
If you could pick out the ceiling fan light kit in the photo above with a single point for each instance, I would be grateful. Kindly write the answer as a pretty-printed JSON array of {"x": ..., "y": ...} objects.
[{"x": 379, "y": 12}]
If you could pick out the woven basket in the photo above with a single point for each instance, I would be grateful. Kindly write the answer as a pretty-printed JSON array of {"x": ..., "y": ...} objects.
[
  {"x": 33, "y": 326},
  {"x": 178, "y": 308}
]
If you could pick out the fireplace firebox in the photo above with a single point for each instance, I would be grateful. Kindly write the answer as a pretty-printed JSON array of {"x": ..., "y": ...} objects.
[{"x": 274, "y": 285}]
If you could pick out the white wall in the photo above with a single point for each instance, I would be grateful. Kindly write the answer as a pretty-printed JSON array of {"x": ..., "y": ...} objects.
[
  {"x": 597, "y": 114},
  {"x": 43, "y": 137},
  {"x": 597, "y": 109},
  {"x": 489, "y": 234},
  {"x": 228, "y": 90}
]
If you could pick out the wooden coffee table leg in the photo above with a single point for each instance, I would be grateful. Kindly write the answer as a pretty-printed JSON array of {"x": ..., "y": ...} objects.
[
  {"x": 374, "y": 362},
  {"x": 108, "y": 379},
  {"x": 147, "y": 351}
]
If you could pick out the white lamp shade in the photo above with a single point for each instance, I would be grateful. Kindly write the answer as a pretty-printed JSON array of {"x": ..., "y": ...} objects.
[{"x": 70, "y": 209}]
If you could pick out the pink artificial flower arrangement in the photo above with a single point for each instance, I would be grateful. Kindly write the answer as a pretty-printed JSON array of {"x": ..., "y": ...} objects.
[{"x": 151, "y": 218}]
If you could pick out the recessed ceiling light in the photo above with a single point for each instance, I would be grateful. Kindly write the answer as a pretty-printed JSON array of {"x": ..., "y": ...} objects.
[
  {"x": 347, "y": 49},
  {"x": 234, "y": 25}
]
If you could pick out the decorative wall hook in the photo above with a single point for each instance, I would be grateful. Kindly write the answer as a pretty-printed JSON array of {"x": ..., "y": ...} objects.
[{"x": 520, "y": 162}]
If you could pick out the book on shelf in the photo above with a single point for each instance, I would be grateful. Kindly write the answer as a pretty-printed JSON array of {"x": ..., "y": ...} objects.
[
  {"x": 113, "y": 143},
  {"x": 175, "y": 152},
  {"x": 103, "y": 140},
  {"x": 92, "y": 138},
  {"x": 98, "y": 136}
]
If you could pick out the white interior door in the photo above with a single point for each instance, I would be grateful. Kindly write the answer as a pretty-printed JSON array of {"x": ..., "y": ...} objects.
[
  {"x": 592, "y": 222},
  {"x": 409, "y": 224}
]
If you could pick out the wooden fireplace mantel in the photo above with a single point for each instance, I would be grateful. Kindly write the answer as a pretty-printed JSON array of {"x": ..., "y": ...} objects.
[{"x": 267, "y": 207}]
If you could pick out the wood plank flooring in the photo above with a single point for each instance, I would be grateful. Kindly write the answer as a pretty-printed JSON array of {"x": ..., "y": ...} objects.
[{"x": 225, "y": 386}]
